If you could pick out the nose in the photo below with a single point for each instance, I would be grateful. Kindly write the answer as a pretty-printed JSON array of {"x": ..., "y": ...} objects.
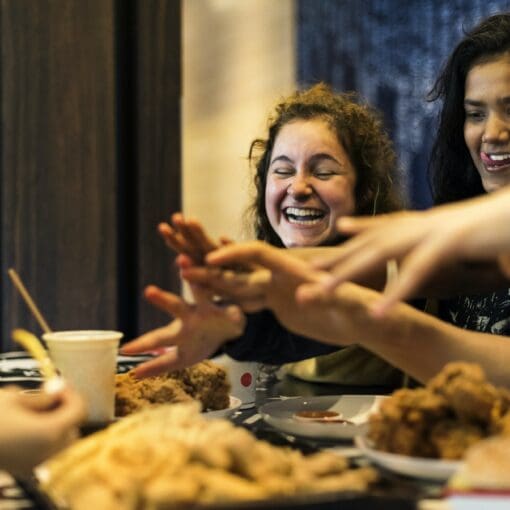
[
  {"x": 299, "y": 186},
  {"x": 496, "y": 130}
]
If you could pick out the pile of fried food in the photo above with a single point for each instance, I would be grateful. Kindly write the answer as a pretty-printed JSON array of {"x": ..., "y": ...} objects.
[
  {"x": 171, "y": 457},
  {"x": 205, "y": 382},
  {"x": 457, "y": 408}
]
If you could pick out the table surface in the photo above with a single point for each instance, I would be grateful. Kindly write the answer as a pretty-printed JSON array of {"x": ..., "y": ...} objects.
[{"x": 399, "y": 492}]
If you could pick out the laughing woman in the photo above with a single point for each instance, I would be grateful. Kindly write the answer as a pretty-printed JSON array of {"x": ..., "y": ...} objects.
[{"x": 325, "y": 156}]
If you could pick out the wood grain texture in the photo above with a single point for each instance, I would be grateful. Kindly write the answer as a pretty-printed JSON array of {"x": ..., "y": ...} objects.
[
  {"x": 58, "y": 161},
  {"x": 88, "y": 165},
  {"x": 158, "y": 143}
]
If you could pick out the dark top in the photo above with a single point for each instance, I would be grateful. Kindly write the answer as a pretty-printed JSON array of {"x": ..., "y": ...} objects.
[
  {"x": 489, "y": 313},
  {"x": 267, "y": 341}
]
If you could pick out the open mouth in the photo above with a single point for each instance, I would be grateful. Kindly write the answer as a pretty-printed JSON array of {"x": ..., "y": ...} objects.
[
  {"x": 303, "y": 216},
  {"x": 495, "y": 161}
]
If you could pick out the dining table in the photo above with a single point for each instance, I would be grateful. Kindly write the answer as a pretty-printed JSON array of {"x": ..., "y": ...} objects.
[{"x": 394, "y": 492}]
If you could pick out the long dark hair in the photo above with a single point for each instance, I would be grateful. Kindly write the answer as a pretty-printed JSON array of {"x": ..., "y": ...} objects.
[
  {"x": 359, "y": 130},
  {"x": 452, "y": 172}
]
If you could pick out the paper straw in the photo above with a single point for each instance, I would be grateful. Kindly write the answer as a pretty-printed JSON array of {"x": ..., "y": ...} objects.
[{"x": 16, "y": 280}]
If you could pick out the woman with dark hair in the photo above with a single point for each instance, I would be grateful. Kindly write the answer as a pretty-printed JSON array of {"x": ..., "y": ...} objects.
[
  {"x": 471, "y": 154},
  {"x": 325, "y": 156},
  {"x": 456, "y": 171},
  {"x": 471, "y": 157}
]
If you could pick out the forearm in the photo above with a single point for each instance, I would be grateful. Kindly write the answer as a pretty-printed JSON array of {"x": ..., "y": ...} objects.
[
  {"x": 409, "y": 339},
  {"x": 425, "y": 344}
]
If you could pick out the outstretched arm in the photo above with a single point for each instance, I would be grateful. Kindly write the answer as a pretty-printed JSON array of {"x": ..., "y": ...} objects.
[
  {"x": 474, "y": 230},
  {"x": 411, "y": 340}
]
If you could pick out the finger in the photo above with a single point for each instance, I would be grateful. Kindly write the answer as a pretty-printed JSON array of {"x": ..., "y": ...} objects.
[
  {"x": 172, "y": 239},
  {"x": 356, "y": 267},
  {"x": 200, "y": 237},
  {"x": 166, "y": 336},
  {"x": 415, "y": 269},
  {"x": 186, "y": 238},
  {"x": 349, "y": 249},
  {"x": 259, "y": 254},
  {"x": 354, "y": 225},
  {"x": 229, "y": 283},
  {"x": 72, "y": 410},
  {"x": 184, "y": 261},
  {"x": 201, "y": 275},
  {"x": 195, "y": 238},
  {"x": 39, "y": 400},
  {"x": 225, "y": 241},
  {"x": 166, "y": 301},
  {"x": 160, "y": 365}
]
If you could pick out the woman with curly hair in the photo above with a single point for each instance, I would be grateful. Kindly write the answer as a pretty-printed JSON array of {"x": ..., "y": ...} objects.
[
  {"x": 361, "y": 136},
  {"x": 325, "y": 156}
]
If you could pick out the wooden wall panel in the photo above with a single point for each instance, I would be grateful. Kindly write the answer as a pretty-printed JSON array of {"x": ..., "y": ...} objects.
[
  {"x": 90, "y": 158},
  {"x": 158, "y": 182},
  {"x": 58, "y": 202}
]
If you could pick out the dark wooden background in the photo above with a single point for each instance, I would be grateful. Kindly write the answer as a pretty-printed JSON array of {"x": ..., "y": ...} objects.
[{"x": 90, "y": 158}]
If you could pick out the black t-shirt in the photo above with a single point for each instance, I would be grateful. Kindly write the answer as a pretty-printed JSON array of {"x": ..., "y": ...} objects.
[
  {"x": 488, "y": 313},
  {"x": 267, "y": 341}
]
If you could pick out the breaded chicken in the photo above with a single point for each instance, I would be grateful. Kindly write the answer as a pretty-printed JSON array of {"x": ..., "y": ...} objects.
[{"x": 204, "y": 381}]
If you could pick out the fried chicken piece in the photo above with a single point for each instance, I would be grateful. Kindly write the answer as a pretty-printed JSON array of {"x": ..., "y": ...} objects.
[
  {"x": 403, "y": 422},
  {"x": 451, "y": 438},
  {"x": 132, "y": 394},
  {"x": 204, "y": 381},
  {"x": 467, "y": 391}
]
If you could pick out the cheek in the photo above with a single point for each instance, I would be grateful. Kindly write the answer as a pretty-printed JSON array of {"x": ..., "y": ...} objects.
[
  {"x": 273, "y": 196},
  {"x": 472, "y": 138},
  {"x": 340, "y": 198}
]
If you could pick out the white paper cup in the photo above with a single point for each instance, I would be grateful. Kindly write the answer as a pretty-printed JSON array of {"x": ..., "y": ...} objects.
[
  {"x": 243, "y": 378},
  {"x": 88, "y": 361}
]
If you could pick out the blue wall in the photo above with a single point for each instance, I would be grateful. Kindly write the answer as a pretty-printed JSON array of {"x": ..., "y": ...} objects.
[{"x": 390, "y": 51}]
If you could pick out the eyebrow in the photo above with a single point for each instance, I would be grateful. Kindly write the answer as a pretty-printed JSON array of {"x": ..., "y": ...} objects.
[
  {"x": 314, "y": 159},
  {"x": 474, "y": 102}
]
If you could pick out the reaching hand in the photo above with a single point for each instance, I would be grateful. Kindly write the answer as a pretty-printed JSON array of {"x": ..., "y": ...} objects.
[
  {"x": 196, "y": 332},
  {"x": 274, "y": 284},
  {"x": 424, "y": 241},
  {"x": 34, "y": 427},
  {"x": 188, "y": 237}
]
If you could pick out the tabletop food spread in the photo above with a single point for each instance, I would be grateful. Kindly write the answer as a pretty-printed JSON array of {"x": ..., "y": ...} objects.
[{"x": 314, "y": 452}]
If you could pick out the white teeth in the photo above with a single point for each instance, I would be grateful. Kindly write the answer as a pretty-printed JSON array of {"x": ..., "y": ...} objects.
[
  {"x": 295, "y": 221},
  {"x": 499, "y": 157},
  {"x": 303, "y": 212},
  {"x": 303, "y": 216}
]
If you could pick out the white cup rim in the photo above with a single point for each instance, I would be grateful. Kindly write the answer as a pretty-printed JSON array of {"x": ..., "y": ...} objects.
[{"x": 87, "y": 335}]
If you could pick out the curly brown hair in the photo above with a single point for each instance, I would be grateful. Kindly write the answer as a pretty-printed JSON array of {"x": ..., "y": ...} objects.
[{"x": 360, "y": 131}]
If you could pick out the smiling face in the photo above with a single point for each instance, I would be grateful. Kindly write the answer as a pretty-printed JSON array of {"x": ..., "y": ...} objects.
[
  {"x": 487, "y": 123},
  {"x": 310, "y": 184}
]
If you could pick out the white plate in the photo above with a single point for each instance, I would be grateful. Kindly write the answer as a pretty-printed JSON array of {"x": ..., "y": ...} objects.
[
  {"x": 416, "y": 467},
  {"x": 235, "y": 404},
  {"x": 354, "y": 408}
]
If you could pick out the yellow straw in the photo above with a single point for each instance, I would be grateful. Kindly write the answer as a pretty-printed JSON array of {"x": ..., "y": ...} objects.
[{"x": 33, "y": 345}]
